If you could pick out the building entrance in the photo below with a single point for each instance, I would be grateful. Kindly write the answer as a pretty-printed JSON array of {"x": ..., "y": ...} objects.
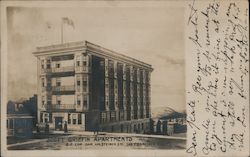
[{"x": 58, "y": 123}]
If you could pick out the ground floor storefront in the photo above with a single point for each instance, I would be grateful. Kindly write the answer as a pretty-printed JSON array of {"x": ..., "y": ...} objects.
[{"x": 91, "y": 121}]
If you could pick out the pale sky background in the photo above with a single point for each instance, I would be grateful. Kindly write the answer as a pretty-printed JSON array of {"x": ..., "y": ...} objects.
[{"x": 154, "y": 35}]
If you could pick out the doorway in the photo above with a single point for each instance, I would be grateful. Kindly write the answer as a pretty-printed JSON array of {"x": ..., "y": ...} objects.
[{"x": 58, "y": 123}]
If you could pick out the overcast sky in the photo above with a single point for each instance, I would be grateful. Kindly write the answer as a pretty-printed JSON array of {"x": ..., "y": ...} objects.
[{"x": 154, "y": 35}]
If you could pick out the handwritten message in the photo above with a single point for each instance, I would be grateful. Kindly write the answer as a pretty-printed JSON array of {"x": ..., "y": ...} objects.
[{"x": 217, "y": 70}]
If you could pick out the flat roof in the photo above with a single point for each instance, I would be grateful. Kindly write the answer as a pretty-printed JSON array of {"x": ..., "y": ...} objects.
[{"x": 45, "y": 50}]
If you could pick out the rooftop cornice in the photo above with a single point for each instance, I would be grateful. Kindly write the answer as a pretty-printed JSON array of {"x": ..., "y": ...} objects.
[
  {"x": 70, "y": 45},
  {"x": 115, "y": 54},
  {"x": 88, "y": 45}
]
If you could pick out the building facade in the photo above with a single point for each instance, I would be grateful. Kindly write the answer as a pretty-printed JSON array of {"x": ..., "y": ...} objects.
[{"x": 89, "y": 87}]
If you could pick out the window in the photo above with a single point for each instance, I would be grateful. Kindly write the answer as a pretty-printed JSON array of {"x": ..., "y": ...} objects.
[
  {"x": 57, "y": 65},
  {"x": 74, "y": 121},
  {"x": 58, "y": 83},
  {"x": 78, "y": 102},
  {"x": 112, "y": 116},
  {"x": 78, "y": 58},
  {"x": 78, "y": 82},
  {"x": 78, "y": 63},
  {"x": 41, "y": 117},
  {"x": 84, "y": 63},
  {"x": 46, "y": 117},
  {"x": 74, "y": 117},
  {"x": 48, "y": 64},
  {"x": 85, "y": 101},
  {"x": 58, "y": 100},
  {"x": 103, "y": 117},
  {"x": 121, "y": 116},
  {"x": 42, "y": 64},
  {"x": 85, "y": 78},
  {"x": 43, "y": 82},
  {"x": 78, "y": 98},
  {"x": 11, "y": 124},
  {"x": 84, "y": 83},
  {"x": 49, "y": 83},
  {"x": 50, "y": 117},
  {"x": 79, "y": 119},
  {"x": 69, "y": 118},
  {"x": 43, "y": 101},
  {"x": 84, "y": 86}
]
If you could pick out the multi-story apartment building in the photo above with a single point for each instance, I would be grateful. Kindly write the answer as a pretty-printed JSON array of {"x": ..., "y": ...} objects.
[{"x": 89, "y": 87}]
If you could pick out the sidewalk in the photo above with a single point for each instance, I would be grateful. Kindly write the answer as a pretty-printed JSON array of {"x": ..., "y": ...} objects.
[
  {"x": 37, "y": 140},
  {"x": 28, "y": 142}
]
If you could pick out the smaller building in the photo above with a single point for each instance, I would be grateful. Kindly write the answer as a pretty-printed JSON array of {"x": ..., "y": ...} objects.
[
  {"x": 170, "y": 124},
  {"x": 168, "y": 128},
  {"x": 20, "y": 125},
  {"x": 163, "y": 127},
  {"x": 21, "y": 117}
]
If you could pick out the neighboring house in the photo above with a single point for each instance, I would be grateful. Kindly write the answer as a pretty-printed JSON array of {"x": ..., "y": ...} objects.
[
  {"x": 170, "y": 124},
  {"x": 20, "y": 125},
  {"x": 16, "y": 108},
  {"x": 162, "y": 127},
  {"x": 23, "y": 107},
  {"x": 89, "y": 87},
  {"x": 21, "y": 117},
  {"x": 31, "y": 107}
]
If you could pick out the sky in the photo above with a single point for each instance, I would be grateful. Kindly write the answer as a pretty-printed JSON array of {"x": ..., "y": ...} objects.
[{"x": 154, "y": 35}]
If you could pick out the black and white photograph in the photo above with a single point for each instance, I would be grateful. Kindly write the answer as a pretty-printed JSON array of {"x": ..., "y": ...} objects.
[
  {"x": 103, "y": 77},
  {"x": 124, "y": 78}
]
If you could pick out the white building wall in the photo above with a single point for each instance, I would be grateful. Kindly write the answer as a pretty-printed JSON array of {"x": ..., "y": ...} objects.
[
  {"x": 63, "y": 63},
  {"x": 65, "y": 99},
  {"x": 65, "y": 81}
]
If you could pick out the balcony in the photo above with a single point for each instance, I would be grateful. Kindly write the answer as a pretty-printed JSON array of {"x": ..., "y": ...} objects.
[
  {"x": 80, "y": 69},
  {"x": 62, "y": 71},
  {"x": 62, "y": 107},
  {"x": 46, "y": 70},
  {"x": 63, "y": 89},
  {"x": 47, "y": 88}
]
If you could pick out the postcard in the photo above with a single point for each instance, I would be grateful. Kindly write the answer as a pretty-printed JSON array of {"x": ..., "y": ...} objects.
[{"x": 125, "y": 78}]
